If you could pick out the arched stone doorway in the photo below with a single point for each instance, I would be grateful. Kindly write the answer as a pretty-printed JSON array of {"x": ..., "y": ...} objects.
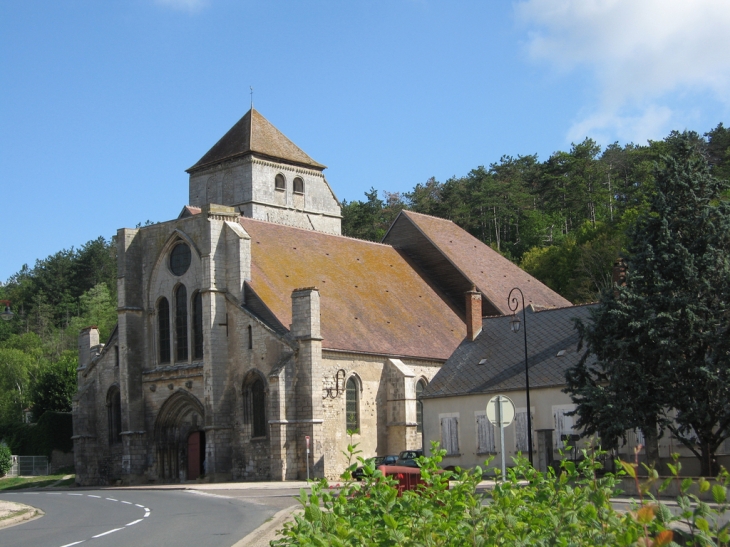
[{"x": 179, "y": 438}]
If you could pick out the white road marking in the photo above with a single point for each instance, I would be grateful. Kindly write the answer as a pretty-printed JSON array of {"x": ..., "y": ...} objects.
[
  {"x": 106, "y": 533},
  {"x": 148, "y": 512},
  {"x": 53, "y": 493},
  {"x": 199, "y": 493}
]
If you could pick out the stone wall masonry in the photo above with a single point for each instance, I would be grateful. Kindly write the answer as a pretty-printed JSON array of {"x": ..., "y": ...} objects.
[
  {"x": 247, "y": 184},
  {"x": 255, "y": 459},
  {"x": 372, "y": 436},
  {"x": 97, "y": 461},
  {"x": 237, "y": 259}
]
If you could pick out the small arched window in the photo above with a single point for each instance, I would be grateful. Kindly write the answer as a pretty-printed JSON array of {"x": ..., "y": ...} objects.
[
  {"x": 352, "y": 410},
  {"x": 298, "y": 185},
  {"x": 198, "y": 326},
  {"x": 181, "y": 324},
  {"x": 163, "y": 329},
  {"x": 114, "y": 415},
  {"x": 420, "y": 386},
  {"x": 280, "y": 182}
]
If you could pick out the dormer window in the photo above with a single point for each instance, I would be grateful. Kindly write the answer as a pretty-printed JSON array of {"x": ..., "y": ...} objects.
[
  {"x": 298, "y": 185},
  {"x": 280, "y": 182}
]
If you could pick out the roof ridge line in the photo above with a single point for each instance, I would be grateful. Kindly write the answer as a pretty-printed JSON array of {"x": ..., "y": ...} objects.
[
  {"x": 408, "y": 211},
  {"x": 318, "y": 232}
]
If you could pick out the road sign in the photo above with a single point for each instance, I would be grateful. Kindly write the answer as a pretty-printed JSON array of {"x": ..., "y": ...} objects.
[
  {"x": 501, "y": 412},
  {"x": 507, "y": 410}
]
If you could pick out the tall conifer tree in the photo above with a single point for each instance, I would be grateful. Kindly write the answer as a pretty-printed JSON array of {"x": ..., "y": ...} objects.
[{"x": 658, "y": 348}]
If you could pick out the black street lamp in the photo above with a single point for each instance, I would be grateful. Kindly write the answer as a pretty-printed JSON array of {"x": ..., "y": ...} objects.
[
  {"x": 514, "y": 325},
  {"x": 8, "y": 313}
]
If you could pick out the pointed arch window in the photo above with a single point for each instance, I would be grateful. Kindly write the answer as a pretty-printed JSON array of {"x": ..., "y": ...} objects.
[
  {"x": 258, "y": 397},
  {"x": 198, "y": 326},
  {"x": 163, "y": 329},
  {"x": 181, "y": 324},
  {"x": 420, "y": 386},
  {"x": 254, "y": 405},
  {"x": 352, "y": 405},
  {"x": 114, "y": 415}
]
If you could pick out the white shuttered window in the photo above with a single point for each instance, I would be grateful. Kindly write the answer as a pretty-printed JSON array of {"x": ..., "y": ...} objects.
[
  {"x": 450, "y": 435},
  {"x": 521, "y": 444},
  {"x": 563, "y": 423},
  {"x": 485, "y": 435}
]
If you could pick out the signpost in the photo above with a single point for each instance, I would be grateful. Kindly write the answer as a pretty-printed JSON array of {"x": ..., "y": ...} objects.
[
  {"x": 307, "y": 439},
  {"x": 501, "y": 412}
]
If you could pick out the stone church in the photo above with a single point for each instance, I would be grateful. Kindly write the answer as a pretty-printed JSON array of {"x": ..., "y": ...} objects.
[{"x": 254, "y": 340}]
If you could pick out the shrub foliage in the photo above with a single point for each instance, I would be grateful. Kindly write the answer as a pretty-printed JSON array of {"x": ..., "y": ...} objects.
[
  {"x": 6, "y": 459},
  {"x": 570, "y": 507}
]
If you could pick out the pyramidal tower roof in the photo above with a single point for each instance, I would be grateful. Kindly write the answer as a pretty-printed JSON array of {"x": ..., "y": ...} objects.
[{"x": 255, "y": 134}]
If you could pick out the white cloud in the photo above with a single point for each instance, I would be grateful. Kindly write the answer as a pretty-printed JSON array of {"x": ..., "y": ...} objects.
[
  {"x": 184, "y": 5},
  {"x": 641, "y": 52}
]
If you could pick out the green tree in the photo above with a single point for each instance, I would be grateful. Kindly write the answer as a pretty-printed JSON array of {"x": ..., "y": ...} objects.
[
  {"x": 56, "y": 386},
  {"x": 660, "y": 343},
  {"x": 6, "y": 459}
]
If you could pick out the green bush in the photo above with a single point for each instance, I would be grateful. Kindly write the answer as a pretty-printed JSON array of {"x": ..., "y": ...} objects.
[
  {"x": 6, "y": 459},
  {"x": 527, "y": 508},
  {"x": 52, "y": 432}
]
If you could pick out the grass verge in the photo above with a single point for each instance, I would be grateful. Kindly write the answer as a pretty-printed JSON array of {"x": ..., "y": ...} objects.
[{"x": 18, "y": 483}]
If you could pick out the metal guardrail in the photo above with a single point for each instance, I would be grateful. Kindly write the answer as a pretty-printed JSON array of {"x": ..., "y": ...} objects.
[{"x": 24, "y": 466}]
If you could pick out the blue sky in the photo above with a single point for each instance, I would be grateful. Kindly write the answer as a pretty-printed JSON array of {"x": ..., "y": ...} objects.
[{"x": 103, "y": 105}]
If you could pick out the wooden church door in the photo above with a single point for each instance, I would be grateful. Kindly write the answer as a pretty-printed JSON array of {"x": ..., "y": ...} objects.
[{"x": 196, "y": 452}]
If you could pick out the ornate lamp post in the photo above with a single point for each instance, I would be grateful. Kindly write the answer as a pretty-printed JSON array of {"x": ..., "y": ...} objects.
[
  {"x": 514, "y": 325},
  {"x": 8, "y": 313}
]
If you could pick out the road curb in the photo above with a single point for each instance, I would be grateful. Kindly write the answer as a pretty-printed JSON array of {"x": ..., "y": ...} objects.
[
  {"x": 267, "y": 531},
  {"x": 31, "y": 514}
]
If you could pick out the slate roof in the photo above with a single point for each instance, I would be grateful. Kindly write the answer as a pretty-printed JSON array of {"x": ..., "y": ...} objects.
[
  {"x": 372, "y": 299},
  {"x": 458, "y": 260},
  {"x": 255, "y": 134},
  {"x": 548, "y": 333}
]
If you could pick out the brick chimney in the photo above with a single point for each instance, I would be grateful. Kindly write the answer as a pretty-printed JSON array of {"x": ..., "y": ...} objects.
[
  {"x": 473, "y": 313},
  {"x": 618, "y": 277}
]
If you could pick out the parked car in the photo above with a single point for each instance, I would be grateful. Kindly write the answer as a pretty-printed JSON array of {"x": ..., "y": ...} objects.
[
  {"x": 408, "y": 458},
  {"x": 359, "y": 473}
]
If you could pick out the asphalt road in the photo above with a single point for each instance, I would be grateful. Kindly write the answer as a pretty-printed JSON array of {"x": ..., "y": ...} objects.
[{"x": 139, "y": 518}]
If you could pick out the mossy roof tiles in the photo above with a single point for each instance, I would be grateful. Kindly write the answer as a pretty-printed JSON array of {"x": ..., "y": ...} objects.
[
  {"x": 492, "y": 274},
  {"x": 372, "y": 299},
  {"x": 255, "y": 134}
]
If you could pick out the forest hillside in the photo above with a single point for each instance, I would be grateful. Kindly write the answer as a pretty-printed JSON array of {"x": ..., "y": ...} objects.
[{"x": 563, "y": 219}]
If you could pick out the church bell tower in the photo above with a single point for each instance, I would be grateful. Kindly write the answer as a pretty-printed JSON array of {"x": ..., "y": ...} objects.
[{"x": 257, "y": 170}]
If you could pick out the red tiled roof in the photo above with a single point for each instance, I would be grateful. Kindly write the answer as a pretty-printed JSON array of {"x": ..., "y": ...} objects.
[
  {"x": 251, "y": 134},
  {"x": 371, "y": 299},
  {"x": 492, "y": 274}
]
